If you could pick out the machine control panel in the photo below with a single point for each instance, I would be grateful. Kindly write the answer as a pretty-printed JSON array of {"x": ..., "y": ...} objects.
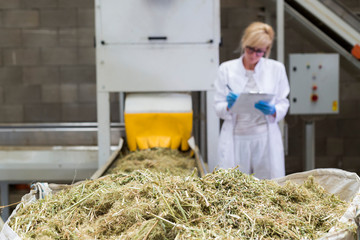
[{"x": 314, "y": 83}]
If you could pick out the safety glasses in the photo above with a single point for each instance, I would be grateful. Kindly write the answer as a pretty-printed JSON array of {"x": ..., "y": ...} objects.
[{"x": 258, "y": 52}]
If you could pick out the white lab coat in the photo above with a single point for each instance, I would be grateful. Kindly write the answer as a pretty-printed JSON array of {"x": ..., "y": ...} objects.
[{"x": 270, "y": 77}]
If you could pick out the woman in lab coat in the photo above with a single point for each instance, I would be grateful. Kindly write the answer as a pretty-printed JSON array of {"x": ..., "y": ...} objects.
[{"x": 251, "y": 140}]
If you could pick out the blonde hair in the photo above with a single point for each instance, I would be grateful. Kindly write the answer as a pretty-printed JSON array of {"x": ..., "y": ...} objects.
[{"x": 257, "y": 34}]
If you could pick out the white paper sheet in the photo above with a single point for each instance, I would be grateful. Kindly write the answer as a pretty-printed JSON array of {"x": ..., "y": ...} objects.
[{"x": 245, "y": 103}]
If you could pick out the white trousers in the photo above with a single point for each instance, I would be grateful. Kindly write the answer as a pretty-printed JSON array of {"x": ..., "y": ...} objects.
[{"x": 252, "y": 155}]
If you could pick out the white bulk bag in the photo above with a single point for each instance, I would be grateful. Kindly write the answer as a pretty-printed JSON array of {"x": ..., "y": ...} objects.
[{"x": 344, "y": 184}]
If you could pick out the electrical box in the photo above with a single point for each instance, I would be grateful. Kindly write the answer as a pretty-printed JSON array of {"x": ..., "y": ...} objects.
[
  {"x": 314, "y": 83},
  {"x": 157, "y": 45}
]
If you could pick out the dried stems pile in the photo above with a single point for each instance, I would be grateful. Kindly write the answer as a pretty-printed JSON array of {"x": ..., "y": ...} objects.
[
  {"x": 226, "y": 204},
  {"x": 157, "y": 160}
]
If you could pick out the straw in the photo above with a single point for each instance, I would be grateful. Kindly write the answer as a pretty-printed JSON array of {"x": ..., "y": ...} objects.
[{"x": 225, "y": 204}]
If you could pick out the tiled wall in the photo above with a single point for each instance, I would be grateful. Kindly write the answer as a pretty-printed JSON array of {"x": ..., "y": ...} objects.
[{"x": 47, "y": 63}]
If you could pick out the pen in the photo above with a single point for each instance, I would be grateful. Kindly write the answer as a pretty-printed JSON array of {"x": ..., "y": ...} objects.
[{"x": 227, "y": 85}]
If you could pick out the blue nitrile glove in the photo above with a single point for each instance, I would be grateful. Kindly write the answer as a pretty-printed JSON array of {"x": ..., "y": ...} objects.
[
  {"x": 265, "y": 107},
  {"x": 231, "y": 98}
]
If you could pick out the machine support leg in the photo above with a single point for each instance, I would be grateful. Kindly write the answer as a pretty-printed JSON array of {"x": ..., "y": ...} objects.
[
  {"x": 203, "y": 127},
  {"x": 4, "y": 187},
  {"x": 280, "y": 55},
  {"x": 121, "y": 106},
  {"x": 280, "y": 30},
  {"x": 213, "y": 130},
  {"x": 309, "y": 145},
  {"x": 103, "y": 115}
]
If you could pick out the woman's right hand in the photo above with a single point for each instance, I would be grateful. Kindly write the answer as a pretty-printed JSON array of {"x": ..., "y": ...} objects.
[{"x": 231, "y": 98}]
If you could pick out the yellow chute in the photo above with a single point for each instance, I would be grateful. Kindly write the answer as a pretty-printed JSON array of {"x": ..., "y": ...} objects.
[{"x": 158, "y": 120}]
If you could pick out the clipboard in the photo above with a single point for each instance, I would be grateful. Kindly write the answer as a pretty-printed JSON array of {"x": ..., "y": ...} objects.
[{"x": 245, "y": 103}]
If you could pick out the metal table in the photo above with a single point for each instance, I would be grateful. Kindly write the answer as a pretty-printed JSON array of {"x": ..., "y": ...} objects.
[{"x": 44, "y": 164}]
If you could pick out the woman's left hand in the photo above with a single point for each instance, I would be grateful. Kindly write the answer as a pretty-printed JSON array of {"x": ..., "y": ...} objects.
[{"x": 265, "y": 107}]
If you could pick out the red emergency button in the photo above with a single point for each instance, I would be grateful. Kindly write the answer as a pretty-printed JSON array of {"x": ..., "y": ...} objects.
[{"x": 314, "y": 97}]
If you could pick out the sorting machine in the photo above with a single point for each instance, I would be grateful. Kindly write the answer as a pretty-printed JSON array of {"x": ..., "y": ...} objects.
[{"x": 155, "y": 53}]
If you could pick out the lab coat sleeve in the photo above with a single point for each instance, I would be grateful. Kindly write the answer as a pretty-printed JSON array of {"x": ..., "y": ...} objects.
[
  {"x": 282, "y": 92},
  {"x": 221, "y": 91}
]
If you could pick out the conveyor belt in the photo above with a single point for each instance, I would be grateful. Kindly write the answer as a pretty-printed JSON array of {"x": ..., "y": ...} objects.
[
  {"x": 323, "y": 26},
  {"x": 328, "y": 27},
  {"x": 202, "y": 168}
]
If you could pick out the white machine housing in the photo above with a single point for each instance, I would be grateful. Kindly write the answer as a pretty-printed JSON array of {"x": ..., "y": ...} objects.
[
  {"x": 158, "y": 103},
  {"x": 314, "y": 83},
  {"x": 156, "y": 46}
]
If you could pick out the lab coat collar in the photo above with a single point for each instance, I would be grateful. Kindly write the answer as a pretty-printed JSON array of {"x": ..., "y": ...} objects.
[
  {"x": 256, "y": 74},
  {"x": 257, "y": 66}
]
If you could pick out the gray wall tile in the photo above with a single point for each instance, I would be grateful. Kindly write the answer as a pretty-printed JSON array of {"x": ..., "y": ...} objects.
[
  {"x": 21, "y": 18},
  {"x": 10, "y": 38},
  {"x": 327, "y": 162},
  {"x": 22, "y": 94},
  {"x": 50, "y": 93},
  {"x": 21, "y": 57},
  {"x": 86, "y": 18},
  {"x": 11, "y": 113},
  {"x": 78, "y": 112},
  {"x": 85, "y": 37},
  {"x": 78, "y": 74},
  {"x": 58, "y": 18},
  {"x": 45, "y": 112},
  {"x": 39, "y": 3},
  {"x": 10, "y": 76},
  {"x": 351, "y": 164},
  {"x": 40, "y": 37},
  {"x": 87, "y": 93},
  {"x": 59, "y": 56},
  {"x": 41, "y": 75},
  {"x": 68, "y": 37},
  {"x": 1, "y": 95},
  {"x": 87, "y": 56},
  {"x": 351, "y": 146},
  {"x": 334, "y": 146},
  {"x": 6, "y": 4},
  {"x": 69, "y": 93},
  {"x": 76, "y": 3}
]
